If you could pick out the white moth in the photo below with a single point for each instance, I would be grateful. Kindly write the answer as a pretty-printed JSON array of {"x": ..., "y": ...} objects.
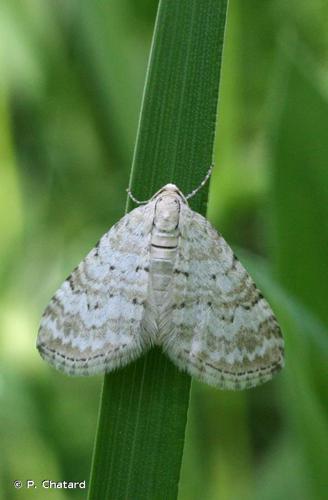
[{"x": 163, "y": 276}]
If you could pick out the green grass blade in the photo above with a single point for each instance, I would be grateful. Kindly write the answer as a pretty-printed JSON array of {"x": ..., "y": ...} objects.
[
  {"x": 144, "y": 407},
  {"x": 300, "y": 235}
]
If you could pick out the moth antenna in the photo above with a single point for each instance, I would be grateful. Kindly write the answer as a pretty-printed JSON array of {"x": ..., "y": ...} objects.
[
  {"x": 128, "y": 190},
  {"x": 195, "y": 191},
  {"x": 190, "y": 195}
]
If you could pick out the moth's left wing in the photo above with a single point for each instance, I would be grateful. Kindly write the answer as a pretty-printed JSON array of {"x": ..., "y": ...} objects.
[
  {"x": 94, "y": 322},
  {"x": 222, "y": 331}
]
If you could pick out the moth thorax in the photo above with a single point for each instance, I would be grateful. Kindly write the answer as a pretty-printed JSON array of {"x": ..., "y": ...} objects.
[{"x": 167, "y": 213}]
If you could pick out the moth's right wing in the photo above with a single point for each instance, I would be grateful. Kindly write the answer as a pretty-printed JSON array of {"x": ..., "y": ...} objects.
[
  {"x": 94, "y": 321},
  {"x": 221, "y": 330}
]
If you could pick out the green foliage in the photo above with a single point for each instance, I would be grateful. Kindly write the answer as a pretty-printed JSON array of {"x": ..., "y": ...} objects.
[
  {"x": 71, "y": 79},
  {"x": 300, "y": 250}
]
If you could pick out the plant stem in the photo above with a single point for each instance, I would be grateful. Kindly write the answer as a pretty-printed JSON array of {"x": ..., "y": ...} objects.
[{"x": 144, "y": 407}]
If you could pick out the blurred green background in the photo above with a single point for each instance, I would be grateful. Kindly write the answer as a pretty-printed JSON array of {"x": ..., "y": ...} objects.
[{"x": 71, "y": 80}]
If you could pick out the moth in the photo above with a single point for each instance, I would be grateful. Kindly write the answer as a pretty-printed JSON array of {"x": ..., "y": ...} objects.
[{"x": 163, "y": 276}]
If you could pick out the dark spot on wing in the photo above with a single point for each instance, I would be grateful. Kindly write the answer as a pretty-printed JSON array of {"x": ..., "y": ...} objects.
[
  {"x": 234, "y": 261},
  {"x": 185, "y": 273},
  {"x": 97, "y": 248},
  {"x": 71, "y": 283}
]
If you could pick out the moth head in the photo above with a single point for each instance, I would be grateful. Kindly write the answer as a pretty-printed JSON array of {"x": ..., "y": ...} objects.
[{"x": 170, "y": 190}]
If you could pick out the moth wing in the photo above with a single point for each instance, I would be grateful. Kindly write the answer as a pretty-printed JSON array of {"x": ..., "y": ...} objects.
[
  {"x": 222, "y": 331},
  {"x": 93, "y": 323}
]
